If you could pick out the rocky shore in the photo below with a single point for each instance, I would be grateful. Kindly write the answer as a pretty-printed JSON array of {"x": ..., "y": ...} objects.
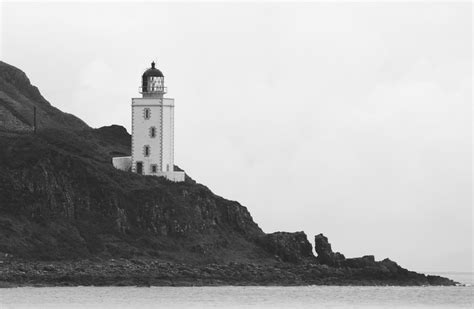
[
  {"x": 139, "y": 272},
  {"x": 328, "y": 268}
]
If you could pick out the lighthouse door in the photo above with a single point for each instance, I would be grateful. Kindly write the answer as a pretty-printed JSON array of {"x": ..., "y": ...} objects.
[{"x": 139, "y": 168}]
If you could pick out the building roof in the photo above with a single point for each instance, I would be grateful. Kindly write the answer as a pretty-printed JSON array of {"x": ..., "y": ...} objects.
[{"x": 152, "y": 72}]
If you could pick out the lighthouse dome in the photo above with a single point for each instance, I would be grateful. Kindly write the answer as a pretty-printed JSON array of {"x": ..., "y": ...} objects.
[
  {"x": 152, "y": 72},
  {"x": 153, "y": 82}
]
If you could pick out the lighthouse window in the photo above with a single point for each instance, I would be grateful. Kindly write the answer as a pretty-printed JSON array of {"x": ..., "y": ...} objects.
[
  {"x": 152, "y": 132},
  {"x": 147, "y": 113},
  {"x": 146, "y": 151}
]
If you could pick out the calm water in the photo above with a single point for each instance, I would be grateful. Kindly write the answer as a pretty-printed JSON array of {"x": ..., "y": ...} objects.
[{"x": 241, "y": 297}]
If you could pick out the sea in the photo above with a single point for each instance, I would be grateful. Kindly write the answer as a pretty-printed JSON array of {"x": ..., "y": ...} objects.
[{"x": 244, "y": 297}]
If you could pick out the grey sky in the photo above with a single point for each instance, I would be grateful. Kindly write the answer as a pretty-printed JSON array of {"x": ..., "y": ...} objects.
[{"x": 344, "y": 118}]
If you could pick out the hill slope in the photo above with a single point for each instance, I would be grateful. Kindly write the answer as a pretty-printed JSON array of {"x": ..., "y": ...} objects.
[{"x": 18, "y": 99}]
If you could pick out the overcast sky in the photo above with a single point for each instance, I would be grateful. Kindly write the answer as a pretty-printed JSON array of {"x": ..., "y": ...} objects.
[{"x": 348, "y": 119}]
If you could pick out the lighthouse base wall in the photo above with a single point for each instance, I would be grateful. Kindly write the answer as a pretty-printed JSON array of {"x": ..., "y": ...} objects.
[
  {"x": 173, "y": 176},
  {"x": 125, "y": 164}
]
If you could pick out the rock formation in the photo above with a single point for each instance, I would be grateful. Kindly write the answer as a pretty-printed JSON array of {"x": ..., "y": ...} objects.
[
  {"x": 288, "y": 247},
  {"x": 325, "y": 254}
]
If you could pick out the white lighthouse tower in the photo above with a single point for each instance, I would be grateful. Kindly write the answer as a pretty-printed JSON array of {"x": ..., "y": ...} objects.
[{"x": 152, "y": 130}]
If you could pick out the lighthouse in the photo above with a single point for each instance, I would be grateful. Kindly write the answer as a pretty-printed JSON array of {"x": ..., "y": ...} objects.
[{"x": 152, "y": 130}]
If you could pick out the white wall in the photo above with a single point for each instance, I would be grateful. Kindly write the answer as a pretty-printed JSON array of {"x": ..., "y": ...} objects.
[
  {"x": 141, "y": 133},
  {"x": 168, "y": 135},
  {"x": 122, "y": 163},
  {"x": 162, "y": 145}
]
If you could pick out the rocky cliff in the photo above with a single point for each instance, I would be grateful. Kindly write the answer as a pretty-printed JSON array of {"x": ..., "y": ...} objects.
[
  {"x": 67, "y": 216},
  {"x": 61, "y": 198}
]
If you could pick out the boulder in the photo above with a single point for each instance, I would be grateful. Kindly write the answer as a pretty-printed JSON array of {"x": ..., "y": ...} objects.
[{"x": 288, "y": 247}]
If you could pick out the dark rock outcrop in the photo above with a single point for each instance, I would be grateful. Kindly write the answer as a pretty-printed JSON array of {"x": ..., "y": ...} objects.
[
  {"x": 369, "y": 271},
  {"x": 289, "y": 247},
  {"x": 117, "y": 136},
  {"x": 325, "y": 254}
]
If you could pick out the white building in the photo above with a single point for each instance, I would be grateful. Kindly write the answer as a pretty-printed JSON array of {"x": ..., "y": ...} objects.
[{"x": 152, "y": 130}]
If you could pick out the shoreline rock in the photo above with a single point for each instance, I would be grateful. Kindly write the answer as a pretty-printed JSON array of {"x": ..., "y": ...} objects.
[{"x": 146, "y": 272}]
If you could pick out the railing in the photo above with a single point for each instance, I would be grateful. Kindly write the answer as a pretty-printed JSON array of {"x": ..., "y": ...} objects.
[{"x": 153, "y": 89}]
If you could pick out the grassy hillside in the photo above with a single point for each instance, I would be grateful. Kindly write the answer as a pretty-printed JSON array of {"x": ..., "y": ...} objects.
[{"x": 18, "y": 98}]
